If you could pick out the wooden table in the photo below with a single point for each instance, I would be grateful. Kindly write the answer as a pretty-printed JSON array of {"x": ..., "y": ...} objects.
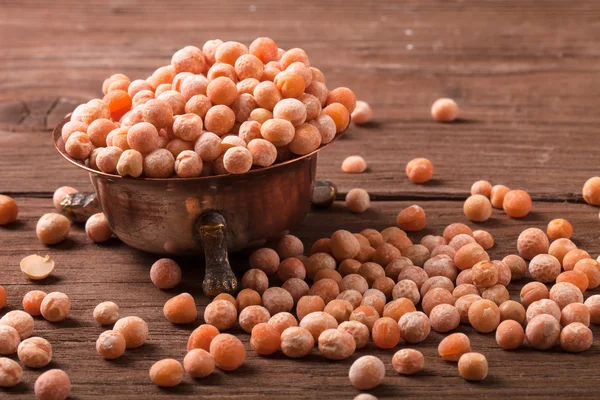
[{"x": 526, "y": 76}]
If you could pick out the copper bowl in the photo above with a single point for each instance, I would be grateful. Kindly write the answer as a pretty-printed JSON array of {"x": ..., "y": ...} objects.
[{"x": 205, "y": 215}]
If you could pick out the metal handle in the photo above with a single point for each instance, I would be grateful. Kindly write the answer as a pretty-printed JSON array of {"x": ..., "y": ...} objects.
[{"x": 218, "y": 276}]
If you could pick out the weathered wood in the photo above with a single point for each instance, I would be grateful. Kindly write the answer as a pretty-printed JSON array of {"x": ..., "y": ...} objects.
[
  {"x": 527, "y": 91},
  {"x": 548, "y": 164},
  {"x": 524, "y": 73},
  {"x": 91, "y": 273}
]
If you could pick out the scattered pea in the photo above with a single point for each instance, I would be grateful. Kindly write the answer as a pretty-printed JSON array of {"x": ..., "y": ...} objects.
[
  {"x": 36, "y": 268},
  {"x": 591, "y": 268},
  {"x": 453, "y": 346},
  {"x": 165, "y": 273},
  {"x": 53, "y": 384},
  {"x": 531, "y": 242},
  {"x": 411, "y": 219},
  {"x": 565, "y": 293},
  {"x": 9, "y": 340},
  {"x": 248, "y": 297},
  {"x": 354, "y": 165},
  {"x": 484, "y": 315},
  {"x": 591, "y": 191},
  {"x": 97, "y": 228},
  {"x": 362, "y": 114},
  {"x": 543, "y": 306},
  {"x": 276, "y": 299},
  {"x": 593, "y": 305},
  {"x": 411, "y": 274},
  {"x": 201, "y": 337},
  {"x": 510, "y": 335},
  {"x": 542, "y": 332},
  {"x": 414, "y": 327},
  {"x": 512, "y": 310},
  {"x": 52, "y": 228},
  {"x": 289, "y": 246},
  {"x": 221, "y": 314},
  {"x": 296, "y": 342},
  {"x": 317, "y": 322},
  {"x": 419, "y": 170},
  {"x": 296, "y": 287},
  {"x": 252, "y": 316},
  {"x": 336, "y": 344},
  {"x": 106, "y": 313},
  {"x": 133, "y": 329},
  {"x": 283, "y": 320},
  {"x": 478, "y": 208},
  {"x": 575, "y": 312},
  {"x": 181, "y": 309},
  {"x": 497, "y": 194},
  {"x": 166, "y": 373},
  {"x": 533, "y": 291},
  {"x": 110, "y": 345},
  {"x": 386, "y": 333},
  {"x": 444, "y": 110},
  {"x": 517, "y": 266},
  {"x": 483, "y": 188},
  {"x": 267, "y": 260},
  {"x": 544, "y": 268},
  {"x": 473, "y": 367},
  {"x": 444, "y": 318},
  {"x": 10, "y": 373},
  {"x": 367, "y": 372},
  {"x": 576, "y": 337},
  {"x": 516, "y": 203},
  {"x": 469, "y": 255},
  {"x": 408, "y": 361},
  {"x": 198, "y": 363}
]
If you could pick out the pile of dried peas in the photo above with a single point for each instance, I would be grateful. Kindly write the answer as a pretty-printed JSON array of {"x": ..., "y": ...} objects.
[
  {"x": 367, "y": 285},
  {"x": 225, "y": 108}
]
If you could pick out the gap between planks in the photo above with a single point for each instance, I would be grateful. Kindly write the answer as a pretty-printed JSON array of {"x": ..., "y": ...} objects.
[{"x": 341, "y": 196}]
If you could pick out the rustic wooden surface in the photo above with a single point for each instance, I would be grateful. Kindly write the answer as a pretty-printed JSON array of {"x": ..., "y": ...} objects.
[{"x": 526, "y": 77}]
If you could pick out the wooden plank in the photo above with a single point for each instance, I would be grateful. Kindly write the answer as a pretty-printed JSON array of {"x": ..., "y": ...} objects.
[
  {"x": 527, "y": 92},
  {"x": 91, "y": 273},
  {"x": 540, "y": 161},
  {"x": 524, "y": 73}
]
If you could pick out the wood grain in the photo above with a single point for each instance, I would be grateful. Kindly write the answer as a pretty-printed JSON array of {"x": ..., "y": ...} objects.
[
  {"x": 527, "y": 92},
  {"x": 91, "y": 273},
  {"x": 526, "y": 76}
]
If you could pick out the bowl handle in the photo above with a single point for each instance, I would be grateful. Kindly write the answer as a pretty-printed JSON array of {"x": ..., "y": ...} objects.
[{"x": 218, "y": 276}]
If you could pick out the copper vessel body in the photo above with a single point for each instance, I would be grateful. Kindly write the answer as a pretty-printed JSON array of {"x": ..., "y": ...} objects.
[
  {"x": 160, "y": 216},
  {"x": 205, "y": 215}
]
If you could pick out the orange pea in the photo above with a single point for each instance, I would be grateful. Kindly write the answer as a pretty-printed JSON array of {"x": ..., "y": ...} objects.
[
  {"x": 386, "y": 333},
  {"x": 339, "y": 113},
  {"x": 228, "y": 351},
  {"x": 119, "y": 102},
  {"x": 344, "y": 96},
  {"x": 419, "y": 170},
  {"x": 591, "y": 191},
  {"x": 292, "y": 56},
  {"x": 559, "y": 229},
  {"x": 290, "y": 84},
  {"x": 221, "y": 90},
  {"x": 517, "y": 203},
  {"x": 497, "y": 195},
  {"x": 411, "y": 219},
  {"x": 264, "y": 48}
]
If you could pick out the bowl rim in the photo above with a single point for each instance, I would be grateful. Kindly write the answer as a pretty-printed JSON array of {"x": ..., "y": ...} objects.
[{"x": 57, "y": 138}]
